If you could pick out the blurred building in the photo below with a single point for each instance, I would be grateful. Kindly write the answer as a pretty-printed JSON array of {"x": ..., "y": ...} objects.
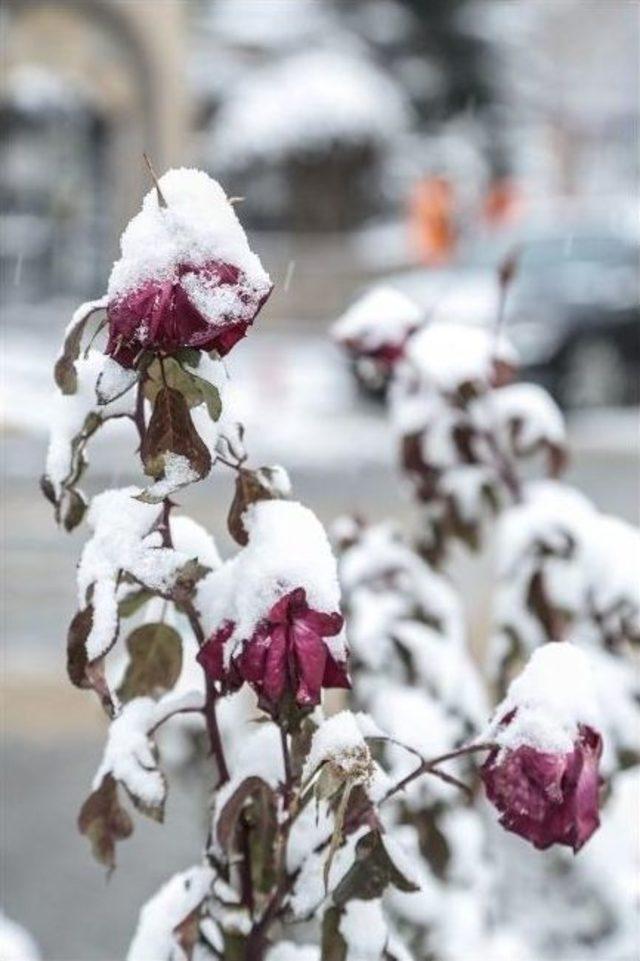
[
  {"x": 87, "y": 87},
  {"x": 323, "y": 114}
]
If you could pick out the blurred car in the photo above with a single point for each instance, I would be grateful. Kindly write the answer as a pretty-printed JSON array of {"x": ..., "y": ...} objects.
[{"x": 573, "y": 309}]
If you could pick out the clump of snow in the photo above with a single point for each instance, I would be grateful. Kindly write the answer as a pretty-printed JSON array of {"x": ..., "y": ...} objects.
[
  {"x": 182, "y": 894},
  {"x": 129, "y": 754},
  {"x": 381, "y": 316},
  {"x": 364, "y": 930},
  {"x": 446, "y": 356},
  {"x": 16, "y": 944},
  {"x": 287, "y": 549},
  {"x": 306, "y": 103},
  {"x": 533, "y": 410},
  {"x": 114, "y": 380},
  {"x": 122, "y": 541},
  {"x": 68, "y": 413},
  {"x": 197, "y": 226},
  {"x": 340, "y": 741},
  {"x": 178, "y": 473},
  {"x": 552, "y": 697},
  {"x": 194, "y": 540},
  {"x": 288, "y": 951}
]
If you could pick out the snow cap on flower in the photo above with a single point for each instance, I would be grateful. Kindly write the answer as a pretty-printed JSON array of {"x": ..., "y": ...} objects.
[
  {"x": 186, "y": 276},
  {"x": 542, "y": 776},
  {"x": 273, "y": 611},
  {"x": 447, "y": 357},
  {"x": 378, "y": 324}
]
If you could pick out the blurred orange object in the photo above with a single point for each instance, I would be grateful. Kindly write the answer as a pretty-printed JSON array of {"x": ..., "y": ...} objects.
[
  {"x": 432, "y": 217},
  {"x": 502, "y": 204}
]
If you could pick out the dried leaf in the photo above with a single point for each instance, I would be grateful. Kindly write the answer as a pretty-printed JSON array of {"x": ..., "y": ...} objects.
[
  {"x": 171, "y": 430},
  {"x": 47, "y": 488},
  {"x": 104, "y": 822},
  {"x": 75, "y": 509},
  {"x": 196, "y": 390},
  {"x": 77, "y": 635},
  {"x": 228, "y": 817},
  {"x": 334, "y": 946},
  {"x": 64, "y": 371},
  {"x": 187, "y": 932},
  {"x": 133, "y": 601},
  {"x": 251, "y": 486},
  {"x": 371, "y": 872},
  {"x": 155, "y": 652}
]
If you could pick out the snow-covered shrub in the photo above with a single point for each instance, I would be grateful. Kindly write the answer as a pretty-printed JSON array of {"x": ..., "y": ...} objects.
[
  {"x": 312, "y": 819},
  {"x": 471, "y": 442}
]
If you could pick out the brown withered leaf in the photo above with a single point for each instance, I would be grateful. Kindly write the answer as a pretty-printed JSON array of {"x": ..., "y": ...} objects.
[
  {"x": 228, "y": 817},
  {"x": 47, "y": 488},
  {"x": 171, "y": 430},
  {"x": 77, "y": 635},
  {"x": 196, "y": 390},
  {"x": 133, "y": 601},
  {"x": 64, "y": 371},
  {"x": 251, "y": 486},
  {"x": 74, "y": 510},
  {"x": 371, "y": 872},
  {"x": 187, "y": 931},
  {"x": 104, "y": 822},
  {"x": 155, "y": 652},
  {"x": 333, "y": 944}
]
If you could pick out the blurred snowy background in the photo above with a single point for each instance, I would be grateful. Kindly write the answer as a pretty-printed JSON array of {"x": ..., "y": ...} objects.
[{"x": 410, "y": 141}]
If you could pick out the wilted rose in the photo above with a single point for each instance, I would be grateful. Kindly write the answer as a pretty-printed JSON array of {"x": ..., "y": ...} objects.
[
  {"x": 287, "y": 653},
  {"x": 208, "y": 307},
  {"x": 547, "y": 798}
]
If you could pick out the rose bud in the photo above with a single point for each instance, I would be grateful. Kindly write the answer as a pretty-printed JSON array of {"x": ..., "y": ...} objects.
[
  {"x": 186, "y": 277},
  {"x": 378, "y": 326},
  {"x": 285, "y": 653},
  {"x": 267, "y": 632},
  {"x": 542, "y": 776}
]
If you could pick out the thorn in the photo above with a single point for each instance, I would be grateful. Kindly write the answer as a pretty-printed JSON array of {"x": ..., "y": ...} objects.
[
  {"x": 235, "y": 200},
  {"x": 161, "y": 200}
]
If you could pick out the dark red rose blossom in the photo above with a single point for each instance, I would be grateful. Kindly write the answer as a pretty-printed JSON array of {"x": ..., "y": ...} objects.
[
  {"x": 547, "y": 798},
  {"x": 286, "y": 653},
  {"x": 159, "y": 315},
  {"x": 387, "y": 354}
]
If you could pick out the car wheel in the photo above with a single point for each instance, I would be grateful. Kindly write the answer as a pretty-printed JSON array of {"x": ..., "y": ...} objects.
[{"x": 594, "y": 375}]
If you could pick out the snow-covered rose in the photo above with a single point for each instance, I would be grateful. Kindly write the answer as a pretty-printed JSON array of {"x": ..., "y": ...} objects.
[
  {"x": 378, "y": 326},
  {"x": 186, "y": 277},
  {"x": 286, "y": 654},
  {"x": 542, "y": 775},
  {"x": 161, "y": 315},
  {"x": 547, "y": 798}
]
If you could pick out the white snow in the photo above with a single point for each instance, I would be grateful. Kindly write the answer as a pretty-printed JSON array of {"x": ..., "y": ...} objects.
[
  {"x": 16, "y": 944},
  {"x": 534, "y": 410},
  {"x": 287, "y": 549},
  {"x": 178, "y": 473},
  {"x": 68, "y": 412},
  {"x": 114, "y": 380},
  {"x": 364, "y": 930},
  {"x": 381, "y": 316},
  {"x": 447, "y": 355},
  {"x": 129, "y": 754},
  {"x": 288, "y": 951},
  {"x": 154, "y": 939},
  {"x": 197, "y": 226},
  {"x": 305, "y": 103},
  {"x": 121, "y": 542},
  {"x": 339, "y": 739},
  {"x": 555, "y": 693}
]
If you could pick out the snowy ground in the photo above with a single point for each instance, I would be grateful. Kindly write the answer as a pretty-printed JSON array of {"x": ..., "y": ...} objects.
[{"x": 301, "y": 410}]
